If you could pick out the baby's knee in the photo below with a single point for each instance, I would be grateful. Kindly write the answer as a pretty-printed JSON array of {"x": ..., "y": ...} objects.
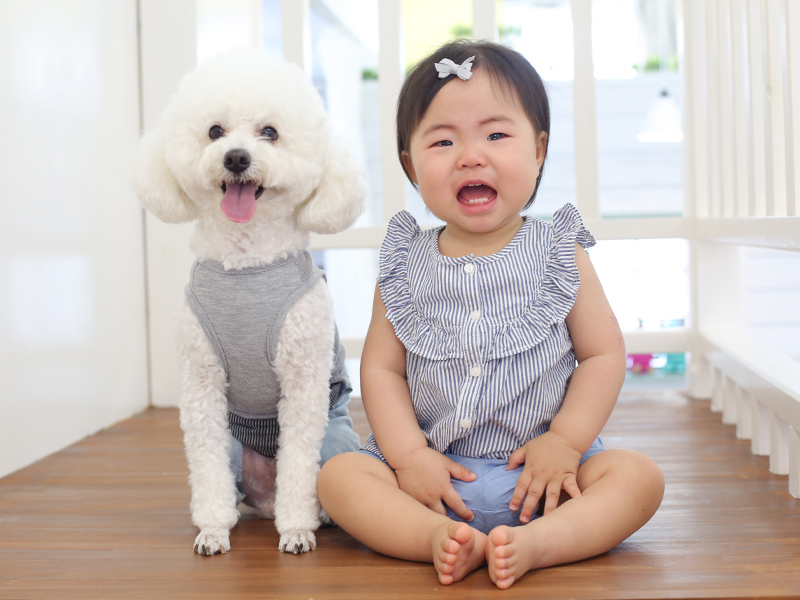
[
  {"x": 631, "y": 470},
  {"x": 333, "y": 471},
  {"x": 645, "y": 472},
  {"x": 345, "y": 472},
  {"x": 649, "y": 470}
]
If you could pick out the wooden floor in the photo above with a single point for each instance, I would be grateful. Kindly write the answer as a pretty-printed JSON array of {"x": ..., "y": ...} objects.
[{"x": 109, "y": 518}]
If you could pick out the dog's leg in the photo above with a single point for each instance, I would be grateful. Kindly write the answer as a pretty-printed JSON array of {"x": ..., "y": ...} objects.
[
  {"x": 204, "y": 420},
  {"x": 303, "y": 364}
]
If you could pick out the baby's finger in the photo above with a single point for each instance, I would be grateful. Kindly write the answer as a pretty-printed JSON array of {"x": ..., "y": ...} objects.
[
  {"x": 460, "y": 471},
  {"x": 531, "y": 502},
  {"x": 516, "y": 459},
  {"x": 454, "y": 501},
  {"x": 552, "y": 495},
  {"x": 521, "y": 489},
  {"x": 571, "y": 486}
]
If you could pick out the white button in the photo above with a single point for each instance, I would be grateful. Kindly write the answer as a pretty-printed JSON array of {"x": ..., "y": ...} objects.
[
  {"x": 469, "y": 269},
  {"x": 465, "y": 423},
  {"x": 475, "y": 371},
  {"x": 475, "y": 315}
]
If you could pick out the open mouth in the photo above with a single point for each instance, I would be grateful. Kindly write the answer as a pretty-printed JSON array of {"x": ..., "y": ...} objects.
[
  {"x": 259, "y": 189},
  {"x": 476, "y": 194},
  {"x": 239, "y": 200}
]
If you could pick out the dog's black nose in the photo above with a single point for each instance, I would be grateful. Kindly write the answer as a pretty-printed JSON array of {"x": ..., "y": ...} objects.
[{"x": 237, "y": 160}]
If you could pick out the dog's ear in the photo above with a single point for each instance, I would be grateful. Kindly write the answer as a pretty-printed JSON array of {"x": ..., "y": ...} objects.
[
  {"x": 155, "y": 184},
  {"x": 338, "y": 200}
]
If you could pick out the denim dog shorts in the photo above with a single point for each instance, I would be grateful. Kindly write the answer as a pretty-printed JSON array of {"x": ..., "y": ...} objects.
[
  {"x": 339, "y": 437},
  {"x": 489, "y": 494}
]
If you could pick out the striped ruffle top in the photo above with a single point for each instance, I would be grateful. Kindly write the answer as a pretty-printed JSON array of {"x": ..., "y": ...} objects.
[{"x": 488, "y": 354}]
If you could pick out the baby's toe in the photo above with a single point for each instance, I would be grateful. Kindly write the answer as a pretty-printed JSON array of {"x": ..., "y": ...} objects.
[
  {"x": 501, "y": 535},
  {"x": 460, "y": 532},
  {"x": 446, "y": 561},
  {"x": 504, "y": 584}
]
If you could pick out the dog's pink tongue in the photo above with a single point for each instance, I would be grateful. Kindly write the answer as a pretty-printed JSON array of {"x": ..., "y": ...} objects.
[{"x": 239, "y": 202}]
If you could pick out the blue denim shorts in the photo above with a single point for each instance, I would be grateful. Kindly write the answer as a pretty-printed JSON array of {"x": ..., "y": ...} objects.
[
  {"x": 489, "y": 494},
  {"x": 339, "y": 437}
]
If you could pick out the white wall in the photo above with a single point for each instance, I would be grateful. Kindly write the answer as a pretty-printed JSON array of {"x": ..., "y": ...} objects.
[
  {"x": 72, "y": 316},
  {"x": 175, "y": 36},
  {"x": 168, "y": 51},
  {"x": 773, "y": 295}
]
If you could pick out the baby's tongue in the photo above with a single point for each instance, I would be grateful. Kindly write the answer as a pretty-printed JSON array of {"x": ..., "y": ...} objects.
[
  {"x": 472, "y": 192},
  {"x": 239, "y": 203}
]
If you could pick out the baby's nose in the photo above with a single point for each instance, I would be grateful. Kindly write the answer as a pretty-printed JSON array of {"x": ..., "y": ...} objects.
[
  {"x": 472, "y": 157},
  {"x": 237, "y": 160}
]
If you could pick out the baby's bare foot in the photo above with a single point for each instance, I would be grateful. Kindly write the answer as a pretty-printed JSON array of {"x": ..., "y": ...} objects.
[
  {"x": 509, "y": 554},
  {"x": 458, "y": 549}
]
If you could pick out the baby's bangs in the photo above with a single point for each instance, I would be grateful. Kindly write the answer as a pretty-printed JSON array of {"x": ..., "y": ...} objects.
[
  {"x": 506, "y": 88},
  {"x": 518, "y": 81}
]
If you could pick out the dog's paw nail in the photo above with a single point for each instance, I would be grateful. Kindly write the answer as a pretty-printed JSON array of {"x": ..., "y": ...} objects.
[
  {"x": 297, "y": 542},
  {"x": 209, "y": 543}
]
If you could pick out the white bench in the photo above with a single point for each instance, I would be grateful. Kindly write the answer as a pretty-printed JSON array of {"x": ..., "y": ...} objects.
[{"x": 761, "y": 412}]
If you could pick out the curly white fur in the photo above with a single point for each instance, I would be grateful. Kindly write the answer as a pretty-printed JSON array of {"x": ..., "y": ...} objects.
[{"x": 308, "y": 185}]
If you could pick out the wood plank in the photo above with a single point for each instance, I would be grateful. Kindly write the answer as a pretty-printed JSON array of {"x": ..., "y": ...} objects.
[{"x": 108, "y": 518}]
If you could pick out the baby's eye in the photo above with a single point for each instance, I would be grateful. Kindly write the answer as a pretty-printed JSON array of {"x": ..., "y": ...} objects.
[
  {"x": 497, "y": 136},
  {"x": 444, "y": 143},
  {"x": 269, "y": 133}
]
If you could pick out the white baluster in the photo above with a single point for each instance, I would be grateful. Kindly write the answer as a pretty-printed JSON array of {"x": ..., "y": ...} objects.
[
  {"x": 760, "y": 441},
  {"x": 729, "y": 401},
  {"x": 778, "y": 445},
  {"x": 794, "y": 462},
  {"x": 717, "y": 379},
  {"x": 744, "y": 422}
]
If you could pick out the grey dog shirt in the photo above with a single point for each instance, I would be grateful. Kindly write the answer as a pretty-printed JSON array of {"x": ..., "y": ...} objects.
[{"x": 241, "y": 312}]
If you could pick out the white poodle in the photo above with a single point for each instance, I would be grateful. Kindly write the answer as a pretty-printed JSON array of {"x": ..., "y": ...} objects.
[{"x": 245, "y": 149}]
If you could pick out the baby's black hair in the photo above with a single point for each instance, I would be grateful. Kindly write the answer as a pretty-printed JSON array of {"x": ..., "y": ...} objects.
[{"x": 507, "y": 68}]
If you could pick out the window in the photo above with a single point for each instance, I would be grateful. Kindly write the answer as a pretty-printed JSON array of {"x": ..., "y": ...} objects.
[{"x": 639, "y": 93}]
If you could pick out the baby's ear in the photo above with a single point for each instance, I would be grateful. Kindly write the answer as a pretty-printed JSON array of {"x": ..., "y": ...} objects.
[
  {"x": 338, "y": 200},
  {"x": 155, "y": 184}
]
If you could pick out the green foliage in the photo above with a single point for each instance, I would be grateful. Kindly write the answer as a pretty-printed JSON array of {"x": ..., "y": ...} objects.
[
  {"x": 653, "y": 63},
  {"x": 505, "y": 32},
  {"x": 672, "y": 63},
  {"x": 369, "y": 74},
  {"x": 461, "y": 31}
]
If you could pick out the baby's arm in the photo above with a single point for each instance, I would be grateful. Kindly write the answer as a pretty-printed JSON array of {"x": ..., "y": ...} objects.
[
  {"x": 421, "y": 472},
  {"x": 551, "y": 460},
  {"x": 600, "y": 352}
]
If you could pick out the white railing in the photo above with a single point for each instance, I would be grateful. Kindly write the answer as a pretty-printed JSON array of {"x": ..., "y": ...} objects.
[
  {"x": 741, "y": 70},
  {"x": 762, "y": 412},
  {"x": 743, "y": 146},
  {"x": 586, "y": 155},
  {"x": 742, "y": 82}
]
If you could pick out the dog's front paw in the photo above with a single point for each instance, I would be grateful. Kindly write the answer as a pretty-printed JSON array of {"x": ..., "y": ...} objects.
[
  {"x": 212, "y": 541},
  {"x": 297, "y": 542}
]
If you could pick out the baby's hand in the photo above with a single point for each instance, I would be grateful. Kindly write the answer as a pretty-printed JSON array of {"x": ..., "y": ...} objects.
[
  {"x": 425, "y": 476},
  {"x": 551, "y": 463}
]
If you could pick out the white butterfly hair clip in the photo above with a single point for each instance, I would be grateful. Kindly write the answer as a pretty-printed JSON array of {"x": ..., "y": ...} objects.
[{"x": 447, "y": 67}]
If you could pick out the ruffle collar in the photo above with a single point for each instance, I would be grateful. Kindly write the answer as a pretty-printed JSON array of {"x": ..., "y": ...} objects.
[{"x": 548, "y": 306}]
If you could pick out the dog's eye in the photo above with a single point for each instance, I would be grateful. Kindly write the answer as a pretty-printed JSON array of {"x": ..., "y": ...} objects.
[
  {"x": 269, "y": 133},
  {"x": 216, "y": 132}
]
